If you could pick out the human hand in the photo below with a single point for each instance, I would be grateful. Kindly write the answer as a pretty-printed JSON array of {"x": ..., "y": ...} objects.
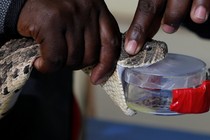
[
  {"x": 151, "y": 14},
  {"x": 73, "y": 33}
]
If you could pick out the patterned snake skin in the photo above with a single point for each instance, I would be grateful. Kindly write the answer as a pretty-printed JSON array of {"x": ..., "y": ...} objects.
[{"x": 17, "y": 57}]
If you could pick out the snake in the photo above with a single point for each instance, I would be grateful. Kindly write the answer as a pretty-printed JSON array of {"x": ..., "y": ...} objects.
[{"x": 16, "y": 63}]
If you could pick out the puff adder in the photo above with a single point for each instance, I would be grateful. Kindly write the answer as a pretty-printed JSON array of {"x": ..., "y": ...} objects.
[{"x": 16, "y": 63}]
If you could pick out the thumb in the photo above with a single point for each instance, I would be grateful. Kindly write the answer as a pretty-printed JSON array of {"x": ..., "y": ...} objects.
[{"x": 141, "y": 25}]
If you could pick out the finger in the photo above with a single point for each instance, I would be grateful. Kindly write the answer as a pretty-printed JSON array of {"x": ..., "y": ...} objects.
[
  {"x": 110, "y": 48},
  {"x": 175, "y": 12},
  {"x": 53, "y": 51},
  {"x": 140, "y": 26},
  {"x": 75, "y": 43},
  {"x": 200, "y": 11},
  {"x": 92, "y": 41}
]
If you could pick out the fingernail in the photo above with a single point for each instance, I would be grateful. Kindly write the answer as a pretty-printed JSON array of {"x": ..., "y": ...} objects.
[
  {"x": 132, "y": 47},
  {"x": 168, "y": 29},
  {"x": 201, "y": 13},
  {"x": 100, "y": 81}
]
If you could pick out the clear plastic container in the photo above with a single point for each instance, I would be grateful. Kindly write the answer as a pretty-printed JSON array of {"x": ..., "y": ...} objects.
[{"x": 149, "y": 89}]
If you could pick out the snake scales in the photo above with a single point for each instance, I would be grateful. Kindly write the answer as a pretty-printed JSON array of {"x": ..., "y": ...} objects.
[{"x": 16, "y": 63}]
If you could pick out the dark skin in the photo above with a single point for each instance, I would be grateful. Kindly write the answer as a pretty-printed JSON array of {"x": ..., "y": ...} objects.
[
  {"x": 79, "y": 33},
  {"x": 72, "y": 33},
  {"x": 166, "y": 14}
]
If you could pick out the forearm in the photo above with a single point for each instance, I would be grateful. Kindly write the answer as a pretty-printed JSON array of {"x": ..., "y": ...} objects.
[{"x": 9, "y": 12}]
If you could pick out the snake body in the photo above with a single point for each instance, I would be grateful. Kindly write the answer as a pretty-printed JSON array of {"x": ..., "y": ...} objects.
[{"x": 16, "y": 63}]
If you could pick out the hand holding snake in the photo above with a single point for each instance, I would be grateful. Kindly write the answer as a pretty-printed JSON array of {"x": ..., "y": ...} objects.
[
  {"x": 73, "y": 33},
  {"x": 151, "y": 15}
]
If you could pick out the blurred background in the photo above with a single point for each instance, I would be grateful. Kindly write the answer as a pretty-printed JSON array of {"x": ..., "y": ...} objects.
[{"x": 103, "y": 120}]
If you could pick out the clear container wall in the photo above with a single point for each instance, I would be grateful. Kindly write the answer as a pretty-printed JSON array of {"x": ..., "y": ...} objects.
[{"x": 150, "y": 91}]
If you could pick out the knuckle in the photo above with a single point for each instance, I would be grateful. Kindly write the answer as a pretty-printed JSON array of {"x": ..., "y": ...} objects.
[
  {"x": 137, "y": 27},
  {"x": 115, "y": 42},
  {"x": 147, "y": 6},
  {"x": 53, "y": 15},
  {"x": 111, "y": 50},
  {"x": 137, "y": 31},
  {"x": 111, "y": 41},
  {"x": 55, "y": 63}
]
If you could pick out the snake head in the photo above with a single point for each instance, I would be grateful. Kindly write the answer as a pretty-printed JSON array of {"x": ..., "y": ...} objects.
[{"x": 153, "y": 51}]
